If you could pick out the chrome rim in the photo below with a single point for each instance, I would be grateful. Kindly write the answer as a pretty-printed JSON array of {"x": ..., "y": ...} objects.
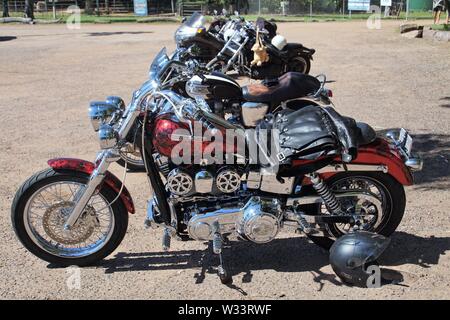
[
  {"x": 46, "y": 212},
  {"x": 133, "y": 158},
  {"x": 372, "y": 203}
]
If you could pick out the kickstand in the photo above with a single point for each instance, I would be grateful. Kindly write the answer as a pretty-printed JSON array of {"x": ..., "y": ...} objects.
[{"x": 217, "y": 243}]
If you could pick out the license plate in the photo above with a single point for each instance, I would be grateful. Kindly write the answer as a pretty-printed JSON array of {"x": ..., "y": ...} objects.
[{"x": 405, "y": 141}]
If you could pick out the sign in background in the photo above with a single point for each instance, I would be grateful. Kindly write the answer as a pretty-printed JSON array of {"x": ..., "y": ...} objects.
[
  {"x": 385, "y": 3},
  {"x": 140, "y": 7},
  {"x": 358, "y": 5}
]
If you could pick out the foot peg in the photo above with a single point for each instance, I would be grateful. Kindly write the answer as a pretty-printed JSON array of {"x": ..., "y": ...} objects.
[{"x": 217, "y": 243}]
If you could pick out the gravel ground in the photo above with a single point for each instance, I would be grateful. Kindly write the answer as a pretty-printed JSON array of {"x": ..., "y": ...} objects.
[{"x": 50, "y": 73}]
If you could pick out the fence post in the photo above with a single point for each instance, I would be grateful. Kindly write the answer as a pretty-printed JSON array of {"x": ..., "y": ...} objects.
[{"x": 407, "y": 9}]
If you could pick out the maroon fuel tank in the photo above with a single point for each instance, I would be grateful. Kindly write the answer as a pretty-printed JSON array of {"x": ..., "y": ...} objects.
[
  {"x": 164, "y": 140},
  {"x": 163, "y": 128}
]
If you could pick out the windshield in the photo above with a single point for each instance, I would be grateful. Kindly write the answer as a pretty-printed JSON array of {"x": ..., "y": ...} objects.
[
  {"x": 197, "y": 20},
  {"x": 158, "y": 64},
  {"x": 189, "y": 28}
]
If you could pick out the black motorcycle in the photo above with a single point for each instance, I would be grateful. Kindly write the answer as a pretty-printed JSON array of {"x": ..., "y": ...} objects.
[{"x": 227, "y": 46}]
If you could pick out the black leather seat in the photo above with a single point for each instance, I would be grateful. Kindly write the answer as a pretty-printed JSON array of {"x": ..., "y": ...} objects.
[
  {"x": 291, "y": 85},
  {"x": 366, "y": 134}
]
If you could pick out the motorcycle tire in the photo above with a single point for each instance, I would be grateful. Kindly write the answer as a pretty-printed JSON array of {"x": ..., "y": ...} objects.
[
  {"x": 132, "y": 166},
  {"x": 300, "y": 64},
  {"x": 32, "y": 187},
  {"x": 396, "y": 208}
]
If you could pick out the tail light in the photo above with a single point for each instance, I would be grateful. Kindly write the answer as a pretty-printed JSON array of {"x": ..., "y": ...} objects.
[{"x": 329, "y": 93}]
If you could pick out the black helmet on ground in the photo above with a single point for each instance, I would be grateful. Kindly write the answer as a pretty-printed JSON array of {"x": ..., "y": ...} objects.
[{"x": 352, "y": 254}]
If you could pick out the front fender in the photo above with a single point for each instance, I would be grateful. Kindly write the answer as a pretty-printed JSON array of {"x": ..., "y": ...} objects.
[{"x": 79, "y": 165}]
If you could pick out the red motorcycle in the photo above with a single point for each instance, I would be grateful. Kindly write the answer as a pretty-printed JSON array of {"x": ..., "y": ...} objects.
[{"x": 311, "y": 170}]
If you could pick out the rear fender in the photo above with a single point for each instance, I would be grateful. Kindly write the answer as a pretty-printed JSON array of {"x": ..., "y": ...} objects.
[
  {"x": 302, "y": 51},
  {"x": 87, "y": 167},
  {"x": 379, "y": 152},
  {"x": 308, "y": 52}
]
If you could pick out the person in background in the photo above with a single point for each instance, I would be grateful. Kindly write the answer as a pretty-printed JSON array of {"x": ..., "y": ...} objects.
[
  {"x": 447, "y": 5},
  {"x": 438, "y": 7}
]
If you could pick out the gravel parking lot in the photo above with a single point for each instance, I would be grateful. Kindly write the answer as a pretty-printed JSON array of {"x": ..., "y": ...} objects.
[{"x": 48, "y": 76}]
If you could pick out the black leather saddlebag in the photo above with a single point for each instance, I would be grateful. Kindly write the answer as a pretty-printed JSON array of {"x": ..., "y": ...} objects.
[
  {"x": 312, "y": 132},
  {"x": 307, "y": 133}
]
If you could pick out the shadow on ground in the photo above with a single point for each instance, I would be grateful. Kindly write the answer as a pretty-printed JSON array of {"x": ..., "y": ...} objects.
[
  {"x": 281, "y": 255},
  {"x": 103, "y": 34},
  {"x": 446, "y": 103},
  {"x": 435, "y": 152},
  {"x": 7, "y": 38}
]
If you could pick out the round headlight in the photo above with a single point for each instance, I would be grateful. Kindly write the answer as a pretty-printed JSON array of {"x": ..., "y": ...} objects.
[
  {"x": 101, "y": 112},
  {"x": 107, "y": 136},
  {"x": 118, "y": 101}
]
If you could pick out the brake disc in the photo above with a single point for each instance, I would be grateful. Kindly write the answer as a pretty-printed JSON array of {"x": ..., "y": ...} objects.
[{"x": 54, "y": 219}]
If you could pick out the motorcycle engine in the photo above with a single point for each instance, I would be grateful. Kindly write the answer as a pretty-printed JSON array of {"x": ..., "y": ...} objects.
[{"x": 258, "y": 221}]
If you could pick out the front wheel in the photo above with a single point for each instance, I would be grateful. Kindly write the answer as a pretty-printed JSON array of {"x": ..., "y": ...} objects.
[
  {"x": 41, "y": 207},
  {"x": 383, "y": 208},
  {"x": 133, "y": 161},
  {"x": 300, "y": 64}
]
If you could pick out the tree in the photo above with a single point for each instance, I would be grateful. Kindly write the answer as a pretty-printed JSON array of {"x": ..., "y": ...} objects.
[
  {"x": 5, "y": 9},
  {"x": 88, "y": 7},
  {"x": 29, "y": 9}
]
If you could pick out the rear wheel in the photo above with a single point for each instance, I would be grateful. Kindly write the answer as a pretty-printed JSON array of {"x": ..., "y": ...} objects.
[
  {"x": 382, "y": 209},
  {"x": 300, "y": 64},
  {"x": 40, "y": 209}
]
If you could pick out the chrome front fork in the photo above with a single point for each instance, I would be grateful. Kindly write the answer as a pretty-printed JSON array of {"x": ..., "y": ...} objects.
[
  {"x": 104, "y": 159},
  {"x": 84, "y": 194}
]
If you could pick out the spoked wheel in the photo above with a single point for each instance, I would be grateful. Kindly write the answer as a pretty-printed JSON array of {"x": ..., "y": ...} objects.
[
  {"x": 41, "y": 207},
  {"x": 379, "y": 199},
  {"x": 133, "y": 159},
  {"x": 300, "y": 64}
]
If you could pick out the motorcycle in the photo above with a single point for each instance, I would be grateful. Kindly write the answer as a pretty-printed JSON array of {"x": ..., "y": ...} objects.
[
  {"x": 322, "y": 174},
  {"x": 226, "y": 98},
  {"x": 230, "y": 48}
]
